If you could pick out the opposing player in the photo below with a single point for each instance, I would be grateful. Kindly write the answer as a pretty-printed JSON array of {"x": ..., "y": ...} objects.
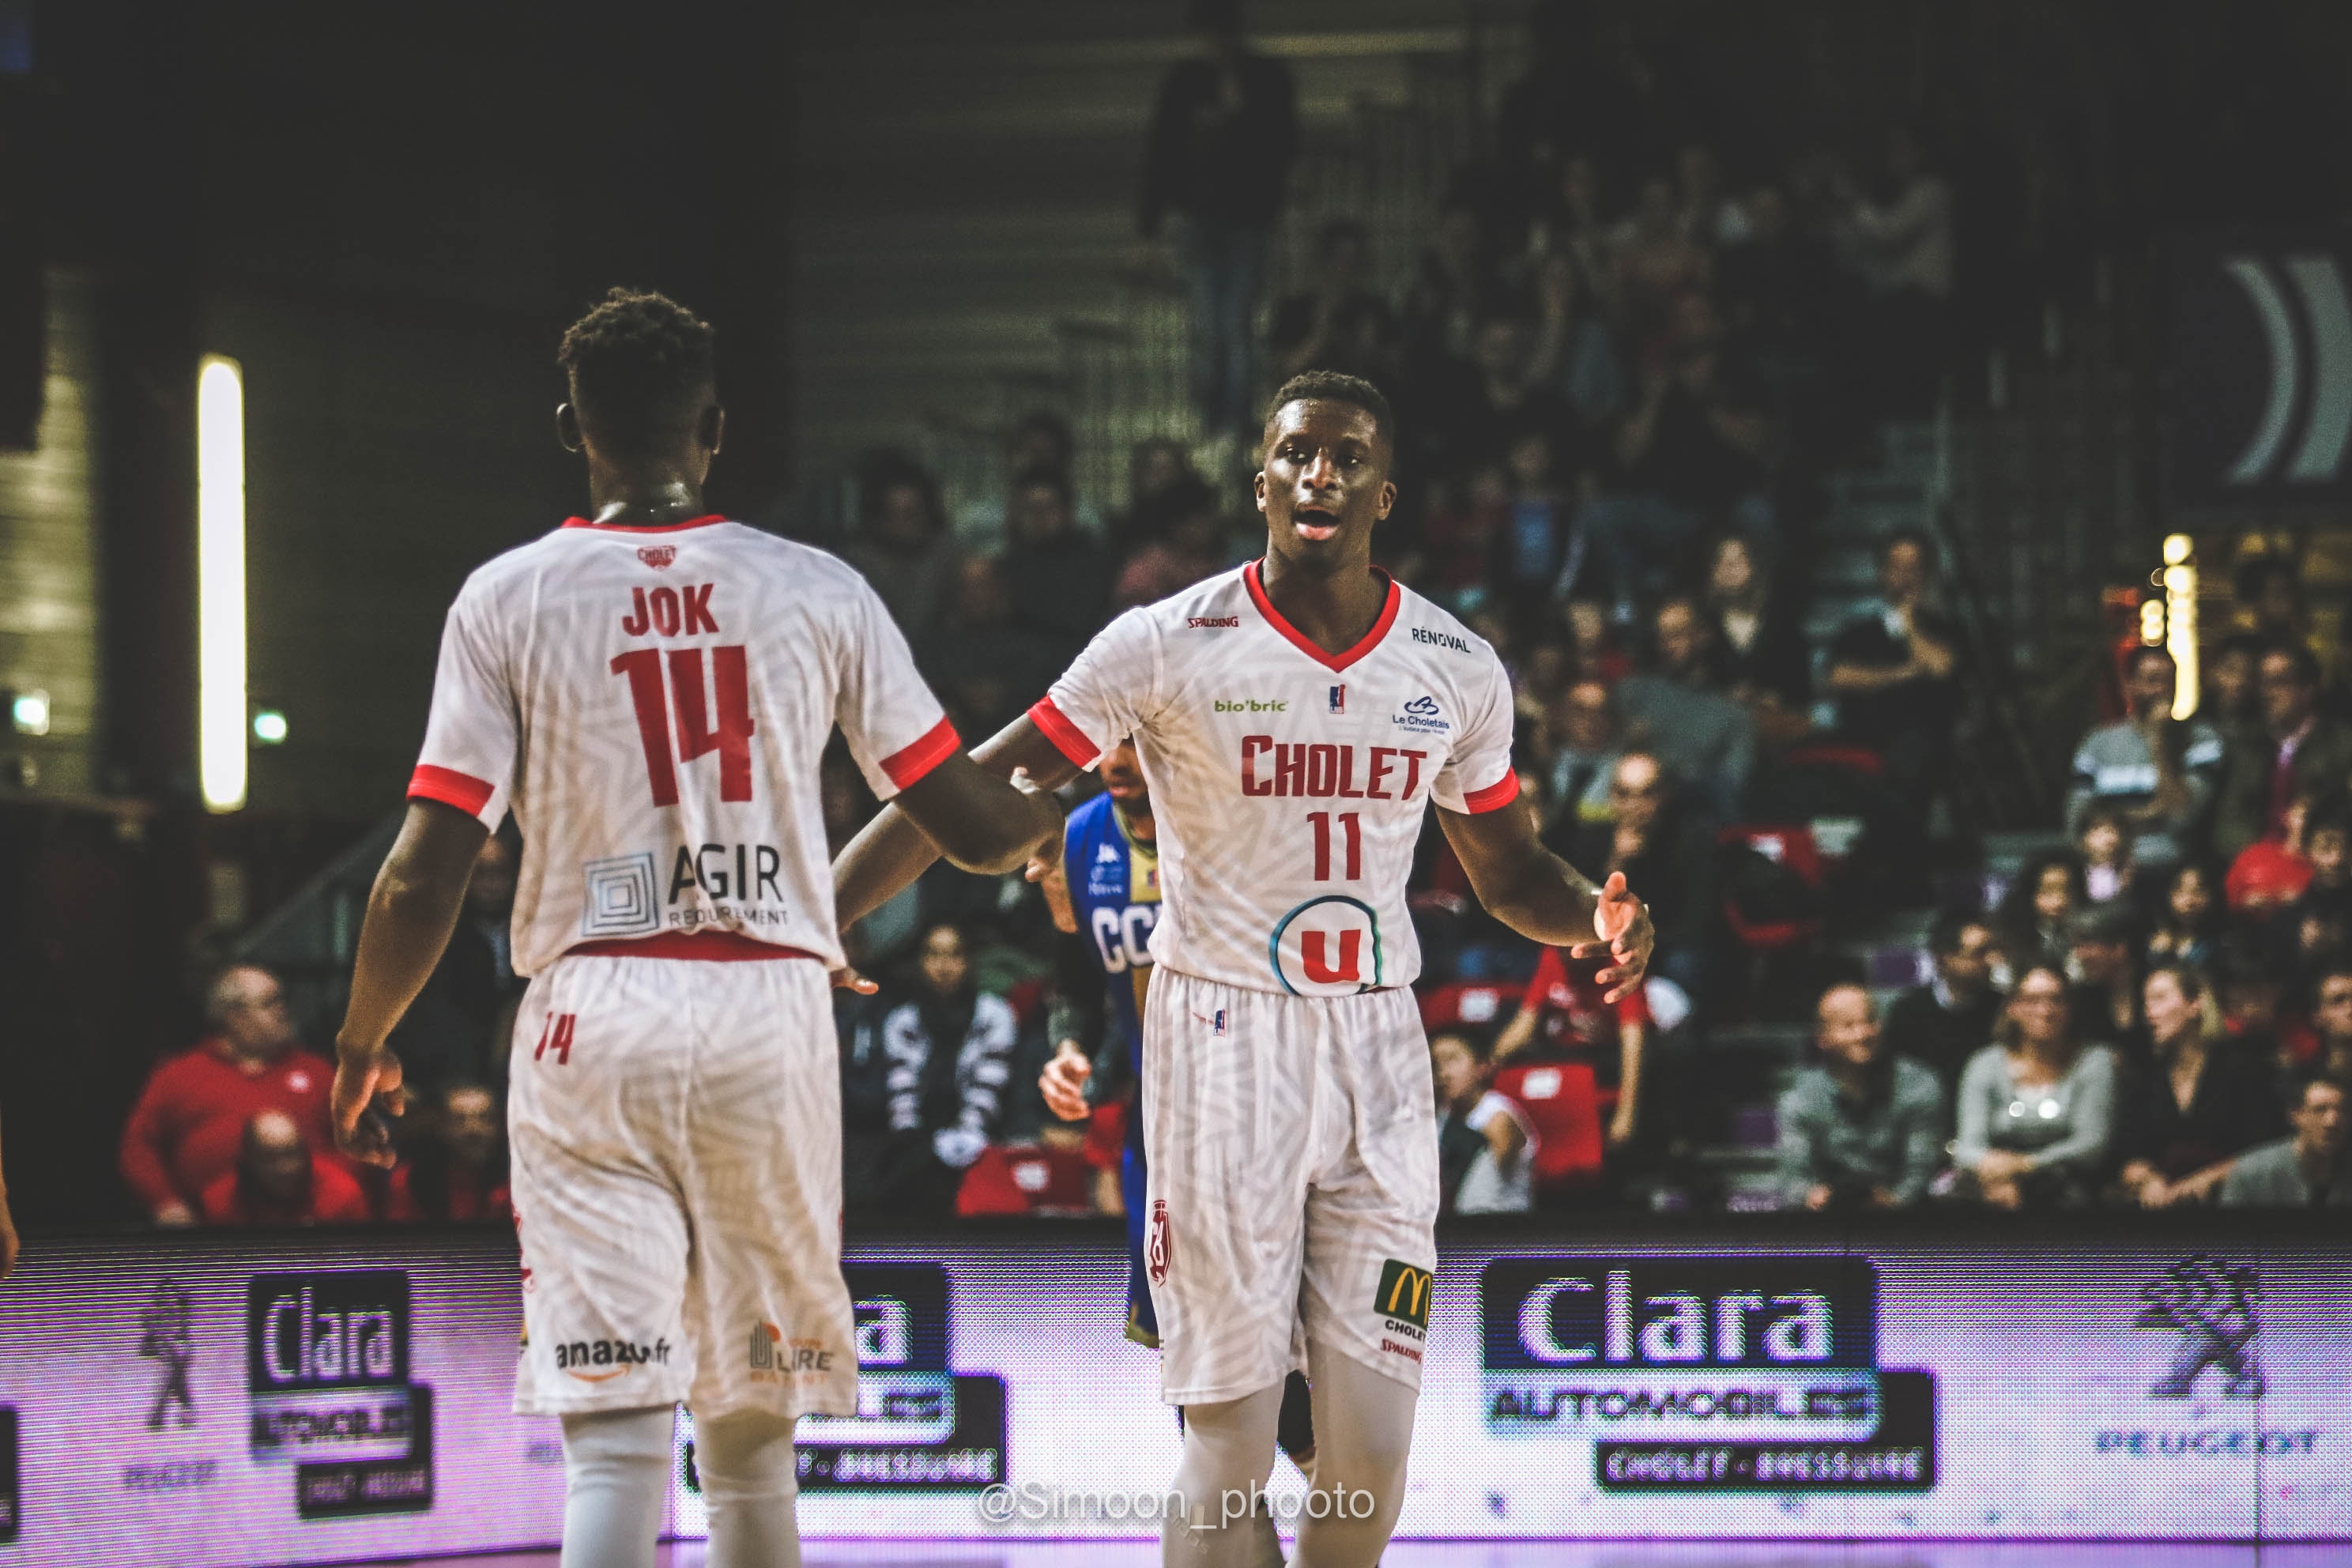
[
  {"x": 649, "y": 689},
  {"x": 1296, "y": 720}
]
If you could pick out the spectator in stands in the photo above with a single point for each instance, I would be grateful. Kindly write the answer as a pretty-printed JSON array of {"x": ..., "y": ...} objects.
[
  {"x": 1575, "y": 353},
  {"x": 1187, "y": 543},
  {"x": 1339, "y": 321},
  {"x": 1905, "y": 248},
  {"x": 2329, "y": 1044},
  {"x": 925, "y": 1083},
  {"x": 1863, "y": 1129},
  {"x": 1705, "y": 215},
  {"x": 2159, "y": 771},
  {"x": 2231, "y": 701},
  {"x": 1537, "y": 546},
  {"x": 1946, "y": 1021},
  {"x": 984, "y": 665},
  {"x": 189, "y": 1125},
  {"x": 1563, "y": 1017},
  {"x": 903, "y": 545},
  {"x": 1218, "y": 157},
  {"x": 1486, "y": 1148},
  {"x": 461, "y": 1026},
  {"x": 2034, "y": 917},
  {"x": 1753, "y": 631},
  {"x": 1594, "y": 653},
  {"x": 1039, "y": 439},
  {"x": 2300, "y": 752},
  {"x": 1690, "y": 453},
  {"x": 2318, "y": 924},
  {"x": 1667, "y": 849},
  {"x": 1895, "y": 672},
  {"x": 457, "y": 1173},
  {"x": 1656, "y": 262},
  {"x": 1059, "y": 577},
  {"x": 280, "y": 1178},
  {"x": 1585, "y": 725},
  {"x": 2188, "y": 924},
  {"x": 2271, "y": 873},
  {"x": 2105, "y": 1003},
  {"x": 1679, "y": 712},
  {"x": 2110, "y": 861},
  {"x": 1155, "y": 466},
  {"x": 2036, "y": 1111},
  {"x": 2306, "y": 1170},
  {"x": 1454, "y": 288},
  {"x": 2199, "y": 1101}
]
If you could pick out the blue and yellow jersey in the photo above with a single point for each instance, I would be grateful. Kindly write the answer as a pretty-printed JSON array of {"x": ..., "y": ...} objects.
[{"x": 1115, "y": 891}]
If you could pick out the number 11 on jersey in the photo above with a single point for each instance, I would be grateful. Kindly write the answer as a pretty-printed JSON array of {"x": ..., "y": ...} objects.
[{"x": 1351, "y": 830}]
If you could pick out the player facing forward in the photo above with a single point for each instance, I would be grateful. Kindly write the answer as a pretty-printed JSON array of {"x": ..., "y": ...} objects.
[
  {"x": 1296, "y": 721},
  {"x": 649, "y": 689}
]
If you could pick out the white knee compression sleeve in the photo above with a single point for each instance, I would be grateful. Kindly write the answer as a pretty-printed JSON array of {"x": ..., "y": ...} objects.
[
  {"x": 616, "y": 1480},
  {"x": 750, "y": 1480},
  {"x": 1363, "y": 1432},
  {"x": 1228, "y": 1454}
]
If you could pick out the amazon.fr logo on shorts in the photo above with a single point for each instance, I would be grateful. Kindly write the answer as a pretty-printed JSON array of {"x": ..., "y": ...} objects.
[{"x": 600, "y": 1361}]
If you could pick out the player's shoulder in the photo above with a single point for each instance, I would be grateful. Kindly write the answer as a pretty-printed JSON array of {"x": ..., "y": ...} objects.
[
  {"x": 1424, "y": 624},
  {"x": 1212, "y": 604}
]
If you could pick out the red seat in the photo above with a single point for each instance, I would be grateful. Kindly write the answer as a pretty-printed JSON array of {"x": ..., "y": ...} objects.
[
  {"x": 1444, "y": 1007},
  {"x": 1564, "y": 1105},
  {"x": 1027, "y": 1181},
  {"x": 1832, "y": 755},
  {"x": 1794, "y": 848}
]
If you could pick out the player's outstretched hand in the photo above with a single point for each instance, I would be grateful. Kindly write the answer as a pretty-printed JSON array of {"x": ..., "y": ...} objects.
[
  {"x": 1063, "y": 1082},
  {"x": 367, "y": 1090},
  {"x": 1045, "y": 870},
  {"x": 1622, "y": 923}
]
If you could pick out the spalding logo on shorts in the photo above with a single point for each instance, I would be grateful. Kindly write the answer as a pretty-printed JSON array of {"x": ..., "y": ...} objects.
[
  {"x": 1155, "y": 1243},
  {"x": 1326, "y": 947}
]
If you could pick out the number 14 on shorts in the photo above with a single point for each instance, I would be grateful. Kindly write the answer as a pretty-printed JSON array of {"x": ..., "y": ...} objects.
[{"x": 555, "y": 1035}]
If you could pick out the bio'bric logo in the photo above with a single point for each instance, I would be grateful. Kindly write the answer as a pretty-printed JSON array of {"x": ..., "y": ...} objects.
[{"x": 2211, "y": 1305}]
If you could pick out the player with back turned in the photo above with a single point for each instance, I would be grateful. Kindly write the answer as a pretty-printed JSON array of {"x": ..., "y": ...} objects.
[
  {"x": 1296, "y": 721},
  {"x": 649, "y": 689}
]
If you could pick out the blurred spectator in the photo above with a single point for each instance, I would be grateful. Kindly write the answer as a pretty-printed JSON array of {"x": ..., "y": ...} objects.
[
  {"x": 2273, "y": 871},
  {"x": 2306, "y": 1170},
  {"x": 1575, "y": 353},
  {"x": 1863, "y": 1129},
  {"x": 1705, "y": 214},
  {"x": 278, "y": 1179},
  {"x": 903, "y": 545},
  {"x": 2330, "y": 1045},
  {"x": 1155, "y": 466},
  {"x": 1339, "y": 323},
  {"x": 1039, "y": 441},
  {"x": 1905, "y": 248},
  {"x": 1060, "y": 577},
  {"x": 1778, "y": 286},
  {"x": 924, "y": 1084},
  {"x": 188, "y": 1127},
  {"x": 2109, "y": 855},
  {"x": 1594, "y": 653},
  {"x": 1585, "y": 721},
  {"x": 1657, "y": 261},
  {"x": 2188, "y": 918},
  {"x": 2299, "y": 751},
  {"x": 1756, "y": 639},
  {"x": 2318, "y": 924},
  {"x": 1666, "y": 849},
  {"x": 1946, "y": 1021},
  {"x": 2036, "y": 1111},
  {"x": 985, "y": 666},
  {"x": 2198, "y": 1100},
  {"x": 2104, "y": 1001},
  {"x": 2034, "y": 916},
  {"x": 1538, "y": 546},
  {"x": 1563, "y": 1017},
  {"x": 1454, "y": 290},
  {"x": 2233, "y": 699},
  {"x": 461, "y": 1024},
  {"x": 457, "y": 1173},
  {"x": 1187, "y": 543},
  {"x": 1218, "y": 157},
  {"x": 2159, "y": 771},
  {"x": 1487, "y": 1150},
  {"x": 1465, "y": 518},
  {"x": 1677, "y": 711},
  {"x": 2270, "y": 590},
  {"x": 1690, "y": 454},
  {"x": 1895, "y": 673}
]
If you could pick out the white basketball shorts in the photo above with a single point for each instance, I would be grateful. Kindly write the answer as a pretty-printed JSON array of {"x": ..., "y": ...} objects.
[
  {"x": 1293, "y": 1185},
  {"x": 677, "y": 1143}
]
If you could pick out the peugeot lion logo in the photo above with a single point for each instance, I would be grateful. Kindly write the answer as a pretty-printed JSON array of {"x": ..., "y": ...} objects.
[
  {"x": 2320, "y": 285},
  {"x": 2210, "y": 1304}
]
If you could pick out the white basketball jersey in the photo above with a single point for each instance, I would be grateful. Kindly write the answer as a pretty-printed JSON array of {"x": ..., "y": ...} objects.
[
  {"x": 1289, "y": 783},
  {"x": 653, "y": 704}
]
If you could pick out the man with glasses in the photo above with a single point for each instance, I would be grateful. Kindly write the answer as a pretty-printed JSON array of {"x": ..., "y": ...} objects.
[
  {"x": 2300, "y": 750},
  {"x": 1655, "y": 836}
]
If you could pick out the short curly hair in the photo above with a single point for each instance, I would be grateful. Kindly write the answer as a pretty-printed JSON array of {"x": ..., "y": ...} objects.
[
  {"x": 641, "y": 368},
  {"x": 1334, "y": 387}
]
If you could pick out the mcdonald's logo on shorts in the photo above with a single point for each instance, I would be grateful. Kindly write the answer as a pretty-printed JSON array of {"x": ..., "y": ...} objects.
[{"x": 1403, "y": 1296}]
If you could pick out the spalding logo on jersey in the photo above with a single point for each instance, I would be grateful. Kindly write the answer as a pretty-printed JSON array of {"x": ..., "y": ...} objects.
[{"x": 1326, "y": 947}]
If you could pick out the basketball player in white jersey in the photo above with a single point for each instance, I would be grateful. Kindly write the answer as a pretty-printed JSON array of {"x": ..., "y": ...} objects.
[
  {"x": 1296, "y": 720},
  {"x": 649, "y": 689}
]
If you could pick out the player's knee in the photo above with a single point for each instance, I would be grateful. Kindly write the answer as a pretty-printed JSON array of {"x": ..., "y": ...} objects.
[
  {"x": 747, "y": 1455},
  {"x": 601, "y": 1444}
]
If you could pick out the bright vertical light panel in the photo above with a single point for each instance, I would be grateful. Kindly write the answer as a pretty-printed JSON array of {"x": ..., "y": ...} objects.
[
  {"x": 220, "y": 583},
  {"x": 2180, "y": 623}
]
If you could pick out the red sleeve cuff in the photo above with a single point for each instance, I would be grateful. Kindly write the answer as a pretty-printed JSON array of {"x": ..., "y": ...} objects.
[
  {"x": 450, "y": 787},
  {"x": 1495, "y": 796},
  {"x": 1067, "y": 738},
  {"x": 909, "y": 763}
]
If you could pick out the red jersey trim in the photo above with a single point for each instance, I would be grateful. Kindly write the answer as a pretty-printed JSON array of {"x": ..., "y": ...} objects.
[
  {"x": 1305, "y": 644},
  {"x": 703, "y": 522},
  {"x": 1495, "y": 796},
  {"x": 450, "y": 787},
  {"x": 909, "y": 763},
  {"x": 1067, "y": 738},
  {"x": 711, "y": 946}
]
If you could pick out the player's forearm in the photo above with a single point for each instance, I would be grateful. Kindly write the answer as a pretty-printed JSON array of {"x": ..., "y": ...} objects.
[
  {"x": 411, "y": 912},
  {"x": 883, "y": 860},
  {"x": 1546, "y": 900}
]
